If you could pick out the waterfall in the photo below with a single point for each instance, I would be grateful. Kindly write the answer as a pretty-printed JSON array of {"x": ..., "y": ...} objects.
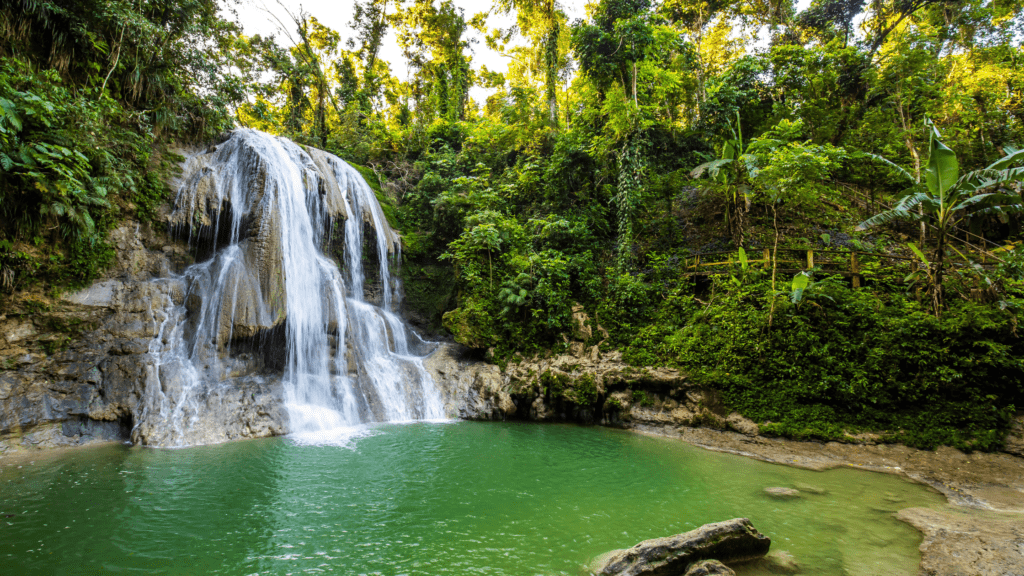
[{"x": 267, "y": 302}]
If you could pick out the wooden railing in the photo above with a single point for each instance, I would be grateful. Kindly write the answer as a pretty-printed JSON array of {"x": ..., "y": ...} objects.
[
  {"x": 849, "y": 264},
  {"x": 977, "y": 243}
]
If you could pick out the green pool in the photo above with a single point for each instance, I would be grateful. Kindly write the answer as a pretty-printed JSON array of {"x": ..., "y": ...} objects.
[{"x": 448, "y": 498}]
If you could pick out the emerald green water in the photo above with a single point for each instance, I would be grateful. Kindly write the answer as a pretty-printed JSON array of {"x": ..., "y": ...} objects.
[{"x": 457, "y": 498}]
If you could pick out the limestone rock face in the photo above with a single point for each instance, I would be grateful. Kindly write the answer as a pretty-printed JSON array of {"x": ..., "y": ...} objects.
[
  {"x": 737, "y": 422},
  {"x": 76, "y": 371},
  {"x": 589, "y": 386},
  {"x": 731, "y": 541},
  {"x": 472, "y": 389}
]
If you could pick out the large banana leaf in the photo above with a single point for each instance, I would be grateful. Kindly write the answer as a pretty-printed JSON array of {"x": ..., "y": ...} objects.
[
  {"x": 904, "y": 210},
  {"x": 993, "y": 204},
  {"x": 712, "y": 168},
  {"x": 1012, "y": 155},
  {"x": 943, "y": 169}
]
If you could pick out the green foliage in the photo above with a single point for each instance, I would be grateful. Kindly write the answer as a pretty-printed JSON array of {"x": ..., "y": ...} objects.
[
  {"x": 947, "y": 198},
  {"x": 90, "y": 93},
  {"x": 858, "y": 361}
]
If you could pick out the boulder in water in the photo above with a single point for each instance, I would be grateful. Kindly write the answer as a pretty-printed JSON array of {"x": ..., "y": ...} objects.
[{"x": 731, "y": 541}]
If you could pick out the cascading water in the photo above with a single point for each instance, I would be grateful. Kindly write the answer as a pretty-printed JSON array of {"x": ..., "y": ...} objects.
[{"x": 268, "y": 304}]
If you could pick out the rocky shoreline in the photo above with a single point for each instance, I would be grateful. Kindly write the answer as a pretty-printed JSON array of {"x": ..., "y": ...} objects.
[{"x": 980, "y": 531}]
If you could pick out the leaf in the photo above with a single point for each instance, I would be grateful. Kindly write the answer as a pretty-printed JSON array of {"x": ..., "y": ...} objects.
[
  {"x": 899, "y": 169},
  {"x": 743, "y": 258},
  {"x": 710, "y": 167},
  {"x": 943, "y": 168},
  {"x": 1012, "y": 155},
  {"x": 800, "y": 282},
  {"x": 918, "y": 252}
]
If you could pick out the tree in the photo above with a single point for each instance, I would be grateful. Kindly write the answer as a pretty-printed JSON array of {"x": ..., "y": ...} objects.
[
  {"x": 540, "y": 21},
  {"x": 731, "y": 170},
  {"x": 948, "y": 198},
  {"x": 432, "y": 40}
]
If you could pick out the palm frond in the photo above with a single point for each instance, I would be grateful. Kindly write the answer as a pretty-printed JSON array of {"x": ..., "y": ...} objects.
[
  {"x": 886, "y": 217},
  {"x": 899, "y": 169},
  {"x": 986, "y": 201},
  {"x": 711, "y": 167},
  {"x": 1012, "y": 155}
]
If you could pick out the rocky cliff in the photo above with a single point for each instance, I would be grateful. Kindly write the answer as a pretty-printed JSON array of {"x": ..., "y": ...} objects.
[{"x": 74, "y": 370}]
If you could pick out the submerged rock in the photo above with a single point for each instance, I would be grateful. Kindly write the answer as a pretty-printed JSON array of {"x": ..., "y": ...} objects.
[
  {"x": 778, "y": 562},
  {"x": 960, "y": 541},
  {"x": 709, "y": 568},
  {"x": 731, "y": 541},
  {"x": 811, "y": 488},
  {"x": 782, "y": 493}
]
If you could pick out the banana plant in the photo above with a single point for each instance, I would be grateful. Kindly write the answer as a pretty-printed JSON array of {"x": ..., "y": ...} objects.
[
  {"x": 732, "y": 170},
  {"x": 947, "y": 198}
]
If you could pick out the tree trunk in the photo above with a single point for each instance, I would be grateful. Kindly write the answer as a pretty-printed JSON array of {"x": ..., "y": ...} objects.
[
  {"x": 775, "y": 261},
  {"x": 940, "y": 260}
]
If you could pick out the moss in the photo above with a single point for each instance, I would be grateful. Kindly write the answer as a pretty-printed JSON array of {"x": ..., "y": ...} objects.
[
  {"x": 470, "y": 325},
  {"x": 388, "y": 207},
  {"x": 642, "y": 398},
  {"x": 554, "y": 385},
  {"x": 584, "y": 390},
  {"x": 429, "y": 290}
]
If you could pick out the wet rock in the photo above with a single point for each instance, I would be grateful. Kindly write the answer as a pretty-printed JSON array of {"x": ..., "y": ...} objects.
[
  {"x": 778, "y": 562},
  {"x": 731, "y": 541},
  {"x": 709, "y": 568},
  {"x": 782, "y": 493},
  {"x": 471, "y": 389},
  {"x": 214, "y": 412}
]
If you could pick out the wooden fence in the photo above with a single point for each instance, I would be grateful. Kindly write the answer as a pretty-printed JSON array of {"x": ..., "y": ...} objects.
[{"x": 846, "y": 263}]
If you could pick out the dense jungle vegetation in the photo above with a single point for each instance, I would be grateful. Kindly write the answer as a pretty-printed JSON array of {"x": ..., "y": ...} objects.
[{"x": 665, "y": 165}]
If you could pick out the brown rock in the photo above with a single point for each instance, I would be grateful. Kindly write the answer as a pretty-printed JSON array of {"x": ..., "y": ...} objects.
[
  {"x": 743, "y": 425},
  {"x": 730, "y": 541},
  {"x": 1015, "y": 439}
]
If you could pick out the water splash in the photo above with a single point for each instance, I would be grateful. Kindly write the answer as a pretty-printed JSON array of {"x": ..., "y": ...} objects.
[{"x": 269, "y": 302}]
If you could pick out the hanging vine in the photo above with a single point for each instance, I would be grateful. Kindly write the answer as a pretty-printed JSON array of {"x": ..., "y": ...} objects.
[{"x": 632, "y": 174}]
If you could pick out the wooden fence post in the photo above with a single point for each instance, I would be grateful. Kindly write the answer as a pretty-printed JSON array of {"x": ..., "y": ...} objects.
[
  {"x": 855, "y": 268},
  {"x": 767, "y": 258},
  {"x": 810, "y": 259}
]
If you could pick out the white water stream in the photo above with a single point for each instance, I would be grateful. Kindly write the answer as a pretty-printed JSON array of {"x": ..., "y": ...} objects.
[{"x": 267, "y": 296}]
